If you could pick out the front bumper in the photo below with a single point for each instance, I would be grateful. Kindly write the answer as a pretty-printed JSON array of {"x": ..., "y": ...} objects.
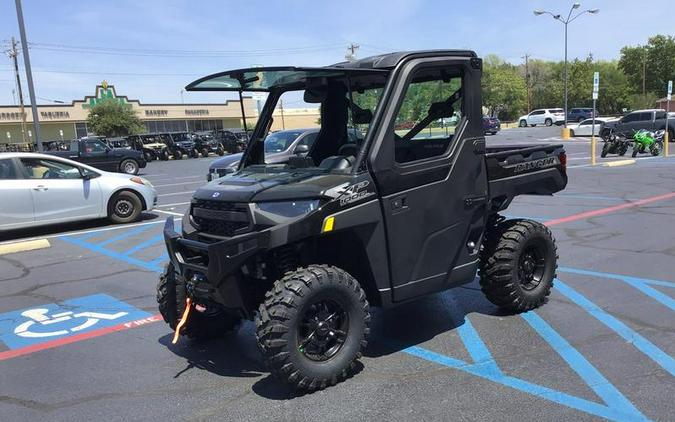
[{"x": 213, "y": 267}]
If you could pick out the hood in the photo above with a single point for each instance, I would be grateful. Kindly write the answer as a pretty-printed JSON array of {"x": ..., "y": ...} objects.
[
  {"x": 277, "y": 185},
  {"x": 226, "y": 161}
]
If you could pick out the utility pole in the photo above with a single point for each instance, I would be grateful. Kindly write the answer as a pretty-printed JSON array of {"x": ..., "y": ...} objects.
[
  {"x": 644, "y": 71},
  {"x": 527, "y": 82},
  {"x": 281, "y": 109},
  {"x": 29, "y": 74},
  {"x": 13, "y": 54},
  {"x": 351, "y": 52}
]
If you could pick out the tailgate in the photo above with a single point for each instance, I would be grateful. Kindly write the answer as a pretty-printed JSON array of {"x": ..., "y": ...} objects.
[{"x": 518, "y": 170}]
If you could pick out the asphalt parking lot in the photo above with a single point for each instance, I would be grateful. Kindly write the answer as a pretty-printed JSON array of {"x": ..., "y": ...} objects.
[{"x": 602, "y": 348}]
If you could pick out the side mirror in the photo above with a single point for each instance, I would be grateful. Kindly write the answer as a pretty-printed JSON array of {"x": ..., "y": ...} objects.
[{"x": 301, "y": 149}]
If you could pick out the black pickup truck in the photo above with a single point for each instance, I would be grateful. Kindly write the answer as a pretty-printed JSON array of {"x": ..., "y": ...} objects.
[
  {"x": 95, "y": 152},
  {"x": 305, "y": 247}
]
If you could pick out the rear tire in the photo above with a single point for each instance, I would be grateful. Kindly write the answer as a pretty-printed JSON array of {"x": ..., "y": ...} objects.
[
  {"x": 149, "y": 156},
  {"x": 194, "y": 153},
  {"x": 205, "y": 152},
  {"x": 220, "y": 151},
  {"x": 178, "y": 155},
  {"x": 129, "y": 166},
  {"x": 548, "y": 122},
  {"x": 635, "y": 151},
  {"x": 312, "y": 326},
  {"x": 518, "y": 263},
  {"x": 171, "y": 296},
  {"x": 164, "y": 155},
  {"x": 124, "y": 207}
]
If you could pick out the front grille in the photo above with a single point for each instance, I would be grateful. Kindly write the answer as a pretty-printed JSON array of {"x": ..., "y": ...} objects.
[{"x": 220, "y": 218}]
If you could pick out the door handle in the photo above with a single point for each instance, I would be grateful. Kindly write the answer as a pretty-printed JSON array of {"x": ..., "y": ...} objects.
[
  {"x": 41, "y": 188},
  {"x": 398, "y": 204}
]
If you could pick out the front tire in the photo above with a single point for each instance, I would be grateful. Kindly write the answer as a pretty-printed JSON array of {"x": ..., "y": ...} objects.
[
  {"x": 124, "y": 207},
  {"x": 164, "y": 155},
  {"x": 178, "y": 155},
  {"x": 312, "y": 326},
  {"x": 605, "y": 150},
  {"x": 518, "y": 263},
  {"x": 205, "y": 152},
  {"x": 171, "y": 294},
  {"x": 129, "y": 166},
  {"x": 522, "y": 123},
  {"x": 636, "y": 149}
]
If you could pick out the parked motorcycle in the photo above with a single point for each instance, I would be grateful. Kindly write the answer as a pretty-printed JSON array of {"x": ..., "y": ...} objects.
[
  {"x": 646, "y": 141},
  {"x": 615, "y": 143}
]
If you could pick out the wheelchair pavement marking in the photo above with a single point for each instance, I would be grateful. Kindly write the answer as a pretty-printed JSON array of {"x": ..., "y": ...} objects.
[
  {"x": 53, "y": 322},
  {"x": 608, "y": 210},
  {"x": 648, "y": 348},
  {"x": 617, "y": 407},
  {"x": 144, "y": 244}
]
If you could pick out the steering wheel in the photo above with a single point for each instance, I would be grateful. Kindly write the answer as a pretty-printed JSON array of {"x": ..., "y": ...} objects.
[{"x": 46, "y": 175}]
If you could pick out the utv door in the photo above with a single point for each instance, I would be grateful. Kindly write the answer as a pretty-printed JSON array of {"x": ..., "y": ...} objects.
[{"x": 432, "y": 179}]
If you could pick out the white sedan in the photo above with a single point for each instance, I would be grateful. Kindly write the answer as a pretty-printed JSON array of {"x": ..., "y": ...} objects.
[
  {"x": 585, "y": 127},
  {"x": 39, "y": 189}
]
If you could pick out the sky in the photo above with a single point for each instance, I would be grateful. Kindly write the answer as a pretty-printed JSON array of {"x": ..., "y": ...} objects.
[{"x": 151, "y": 49}]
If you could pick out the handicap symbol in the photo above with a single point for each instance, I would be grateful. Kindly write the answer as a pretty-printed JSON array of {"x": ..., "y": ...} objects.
[{"x": 39, "y": 316}]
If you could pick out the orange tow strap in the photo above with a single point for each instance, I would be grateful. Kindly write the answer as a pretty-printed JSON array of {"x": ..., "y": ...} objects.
[{"x": 182, "y": 322}]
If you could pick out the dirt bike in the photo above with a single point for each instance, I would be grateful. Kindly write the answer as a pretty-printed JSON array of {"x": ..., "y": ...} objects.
[
  {"x": 644, "y": 140},
  {"x": 615, "y": 143}
]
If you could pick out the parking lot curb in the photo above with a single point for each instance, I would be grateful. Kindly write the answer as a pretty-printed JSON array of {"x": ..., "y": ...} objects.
[
  {"x": 619, "y": 163},
  {"x": 29, "y": 245}
]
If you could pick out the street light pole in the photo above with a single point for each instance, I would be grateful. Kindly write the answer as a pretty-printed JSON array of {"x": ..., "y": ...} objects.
[
  {"x": 29, "y": 74},
  {"x": 566, "y": 22}
]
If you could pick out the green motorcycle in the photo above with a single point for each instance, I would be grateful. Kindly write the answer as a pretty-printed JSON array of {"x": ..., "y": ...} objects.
[{"x": 644, "y": 141}]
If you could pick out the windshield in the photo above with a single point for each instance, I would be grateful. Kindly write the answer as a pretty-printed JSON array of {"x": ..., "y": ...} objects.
[{"x": 280, "y": 141}]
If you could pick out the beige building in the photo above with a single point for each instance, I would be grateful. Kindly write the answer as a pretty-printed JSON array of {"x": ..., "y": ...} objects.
[
  {"x": 295, "y": 118},
  {"x": 68, "y": 121}
]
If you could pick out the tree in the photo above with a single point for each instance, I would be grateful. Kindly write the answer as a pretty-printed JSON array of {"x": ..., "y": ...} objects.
[
  {"x": 504, "y": 89},
  {"x": 112, "y": 118},
  {"x": 655, "y": 60}
]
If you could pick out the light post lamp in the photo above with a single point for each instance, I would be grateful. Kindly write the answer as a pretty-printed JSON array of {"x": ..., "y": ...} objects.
[{"x": 565, "y": 22}]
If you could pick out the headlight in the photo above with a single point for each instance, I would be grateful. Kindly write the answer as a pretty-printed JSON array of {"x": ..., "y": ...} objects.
[
  {"x": 290, "y": 208},
  {"x": 141, "y": 181}
]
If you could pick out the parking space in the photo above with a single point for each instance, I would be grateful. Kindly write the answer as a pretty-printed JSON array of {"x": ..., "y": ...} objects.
[{"x": 80, "y": 337}]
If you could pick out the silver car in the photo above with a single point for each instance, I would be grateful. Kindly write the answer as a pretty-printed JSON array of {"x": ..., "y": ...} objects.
[{"x": 39, "y": 189}]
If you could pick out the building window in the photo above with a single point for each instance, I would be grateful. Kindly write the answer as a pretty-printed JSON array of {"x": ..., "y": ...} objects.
[{"x": 81, "y": 130}]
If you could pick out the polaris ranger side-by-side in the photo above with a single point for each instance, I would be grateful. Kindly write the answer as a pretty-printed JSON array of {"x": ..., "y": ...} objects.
[{"x": 307, "y": 246}]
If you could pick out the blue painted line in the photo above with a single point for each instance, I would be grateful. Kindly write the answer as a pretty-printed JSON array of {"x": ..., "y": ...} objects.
[
  {"x": 157, "y": 261},
  {"x": 123, "y": 235},
  {"x": 478, "y": 350},
  {"x": 617, "y": 276},
  {"x": 112, "y": 254},
  {"x": 586, "y": 371},
  {"x": 527, "y": 217},
  {"x": 631, "y": 336},
  {"x": 144, "y": 244},
  {"x": 528, "y": 387}
]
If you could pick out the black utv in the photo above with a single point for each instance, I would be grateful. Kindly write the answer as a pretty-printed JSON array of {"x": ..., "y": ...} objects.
[
  {"x": 206, "y": 143},
  {"x": 180, "y": 144},
  {"x": 306, "y": 247}
]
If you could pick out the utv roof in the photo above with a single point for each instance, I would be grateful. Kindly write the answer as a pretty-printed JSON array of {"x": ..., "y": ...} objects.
[{"x": 267, "y": 78}]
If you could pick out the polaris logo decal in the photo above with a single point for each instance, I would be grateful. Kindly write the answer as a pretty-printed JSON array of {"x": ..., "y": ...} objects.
[{"x": 535, "y": 164}]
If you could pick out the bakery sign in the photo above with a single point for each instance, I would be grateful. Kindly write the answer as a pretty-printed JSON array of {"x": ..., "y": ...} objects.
[{"x": 10, "y": 116}]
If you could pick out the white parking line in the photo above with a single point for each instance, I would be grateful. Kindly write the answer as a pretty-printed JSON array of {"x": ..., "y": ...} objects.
[
  {"x": 184, "y": 192},
  {"x": 177, "y": 178},
  {"x": 76, "y": 232},
  {"x": 169, "y": 212},
  {"x": 173, "y": 205},
  {"x": 180, "y": 184}
]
